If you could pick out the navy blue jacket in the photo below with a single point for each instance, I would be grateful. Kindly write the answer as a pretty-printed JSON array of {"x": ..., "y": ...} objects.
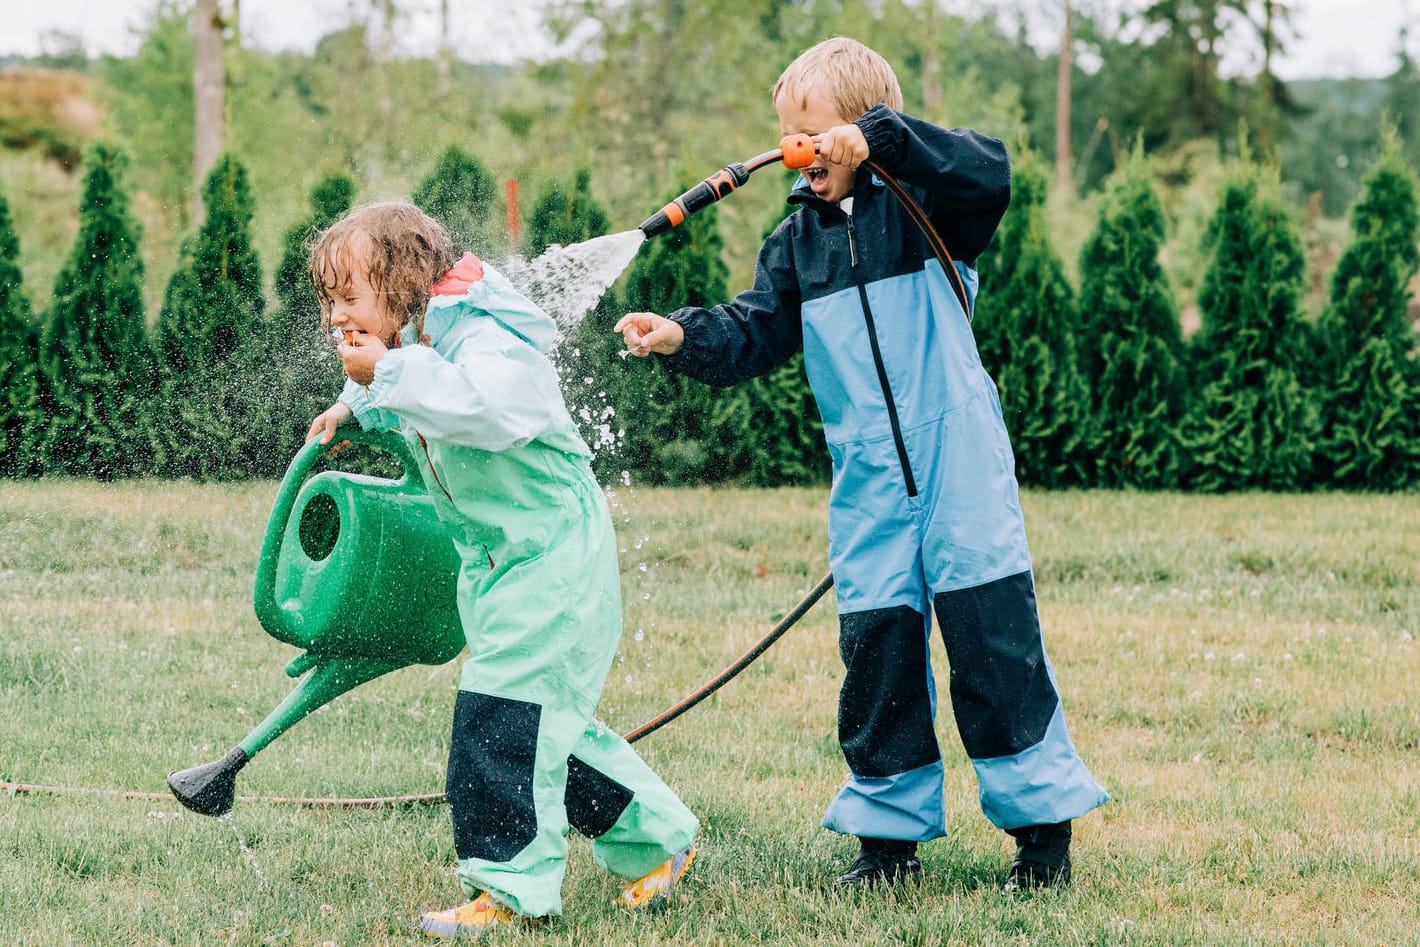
[{"x": 887, "y": 344}]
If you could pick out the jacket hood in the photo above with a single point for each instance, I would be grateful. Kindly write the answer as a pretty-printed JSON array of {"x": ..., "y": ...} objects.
[{"x": 472, "y": 289}]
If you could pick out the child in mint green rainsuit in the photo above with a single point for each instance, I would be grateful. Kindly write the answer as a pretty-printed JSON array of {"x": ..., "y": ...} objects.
[{"x": 446, "y": 352}]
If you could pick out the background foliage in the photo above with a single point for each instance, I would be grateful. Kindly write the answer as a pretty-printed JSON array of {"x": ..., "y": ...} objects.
[{"x": 1124, "y": 257}]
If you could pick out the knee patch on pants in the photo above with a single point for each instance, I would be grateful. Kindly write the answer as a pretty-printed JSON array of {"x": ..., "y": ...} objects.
[
  {"x": 884, "y": 708},
  {"x": 492, "y": 757},
  {"x": 1001, "y": 690},
  {"x": 594, "y": 800}
]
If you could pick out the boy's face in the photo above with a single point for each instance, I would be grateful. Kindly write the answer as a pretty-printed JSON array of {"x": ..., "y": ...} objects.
[
  {"x": 359, "y": 307},
  {"x": 816, "y": 115}
]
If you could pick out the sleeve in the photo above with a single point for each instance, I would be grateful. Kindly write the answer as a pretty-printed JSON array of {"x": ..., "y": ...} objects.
[
  {"x": 496, "y": 392},
  {"x": 370, "y": 417},
  {"x": 965, "y": 175},
  {"x": 750, "y": 335}
]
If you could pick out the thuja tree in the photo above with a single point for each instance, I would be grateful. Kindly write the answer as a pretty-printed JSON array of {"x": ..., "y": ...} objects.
[
  {"x": 18, "y": 407},
  {"x": 209, "y": 334},
  {"x": 1131, "y": 345},
  {"x": 1250, "y": 422},
  {"x": 96, "y": 368},
  {"x": 302, "y": 375},
  {"x": 770, "y": 425},
  {"x": 462, "y": 195},
  {"x": 1025, "y": 325},
  {"x": 669, "y": 420},
  {"x": 567, "y": 214},
  {"x": 1369, "y": 386}
]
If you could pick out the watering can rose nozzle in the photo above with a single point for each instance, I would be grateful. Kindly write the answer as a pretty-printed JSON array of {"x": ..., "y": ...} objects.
[{"x": 795, "y": 151}]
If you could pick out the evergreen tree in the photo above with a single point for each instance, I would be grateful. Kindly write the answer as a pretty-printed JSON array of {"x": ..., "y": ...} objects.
[
  {"x": 96, "y": 370},
  {"x": 1250, "y": 422},
  {"x": 18, "y": 343},
  {"x": 565, "y": 216},
  {"x": 1131, "y": 346},
  {"x": 671, "y": 434},
  {"x": 1026, "y": 324},
  {"x": 462, "y": 195},
  {"x": 1369, "y": 384},
  {"x": 299, "y": 308},
  {"x": 211, "y": 334},
  {"x": 778, "y": 432},
  {"x": 303, "y": 375}
]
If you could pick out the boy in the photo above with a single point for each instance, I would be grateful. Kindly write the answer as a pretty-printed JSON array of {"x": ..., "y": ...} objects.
[
  {"x": 447, "y": 351},
  {"x": 923, "y": 515}
]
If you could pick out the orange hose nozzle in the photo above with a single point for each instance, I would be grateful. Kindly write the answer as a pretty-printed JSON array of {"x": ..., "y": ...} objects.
[{"x": 799, "y": 151}]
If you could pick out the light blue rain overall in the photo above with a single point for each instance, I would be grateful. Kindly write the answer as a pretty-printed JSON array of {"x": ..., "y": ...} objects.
[{"x": 924, "y": 517}]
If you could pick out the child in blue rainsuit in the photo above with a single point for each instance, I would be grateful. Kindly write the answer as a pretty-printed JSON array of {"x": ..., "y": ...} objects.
[
  {"x": 445, "y": 351},
  {"x": 923, "y": 516}
]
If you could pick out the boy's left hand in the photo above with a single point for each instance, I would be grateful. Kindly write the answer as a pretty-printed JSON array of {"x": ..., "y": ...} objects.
[
  {"x": 359, "y": 356},
  {"x": 843, "y": 144}
]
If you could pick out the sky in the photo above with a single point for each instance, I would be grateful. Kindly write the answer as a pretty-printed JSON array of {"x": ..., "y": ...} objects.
[{"x": 1335, "y": 38}]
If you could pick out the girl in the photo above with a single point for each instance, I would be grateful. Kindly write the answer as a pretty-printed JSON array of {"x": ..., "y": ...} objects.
[{"x": 445, "y": 351}]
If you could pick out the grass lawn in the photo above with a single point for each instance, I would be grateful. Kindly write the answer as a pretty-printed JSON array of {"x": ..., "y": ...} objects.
[{"x": 1240, "y": 672}]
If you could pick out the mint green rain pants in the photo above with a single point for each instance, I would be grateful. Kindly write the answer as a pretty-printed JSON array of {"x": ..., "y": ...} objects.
[{"x": 541, "y": 608}]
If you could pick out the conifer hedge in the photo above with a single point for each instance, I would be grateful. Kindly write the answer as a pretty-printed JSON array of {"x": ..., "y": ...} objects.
[
  {"x": 1251, "y": 423},
  {"x": 18, "y": 349},
  {"x": 1131, "y": 345},
  {"x": 96, "y": 369},
  {"x": 1097, "y": 389},
  {"x": 1026, "y": 327},
  {"x": 1369, "y": 379},
  {"x": 210, "y": 335}
]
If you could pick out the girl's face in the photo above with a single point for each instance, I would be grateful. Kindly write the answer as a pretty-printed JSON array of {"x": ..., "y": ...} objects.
[
  {"x": 816, "y": 115},
  {"x": 358, "y": 307}
]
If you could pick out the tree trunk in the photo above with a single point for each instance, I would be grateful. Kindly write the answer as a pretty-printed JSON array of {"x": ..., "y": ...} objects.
[
  {"x": 1062, "y": 107},
  {"x": 208, "y": 81}
]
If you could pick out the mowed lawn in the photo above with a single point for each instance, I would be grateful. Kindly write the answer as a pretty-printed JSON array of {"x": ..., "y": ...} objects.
[{"x": 1240, "y": 672}]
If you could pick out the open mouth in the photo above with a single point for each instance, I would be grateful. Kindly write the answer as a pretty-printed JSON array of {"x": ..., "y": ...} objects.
[{"x": 816, "y": 175}]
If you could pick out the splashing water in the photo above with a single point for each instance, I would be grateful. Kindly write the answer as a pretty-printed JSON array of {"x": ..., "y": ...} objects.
[
  {"x": 567, "y": 281},
  {"x": 247, "y": 853}
]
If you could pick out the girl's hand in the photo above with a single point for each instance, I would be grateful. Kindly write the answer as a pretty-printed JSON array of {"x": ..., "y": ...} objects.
[
  {"x": 328, "y": 420},
  {"x": 359, "y": 353},
  {"x": 646, "y": 332}
]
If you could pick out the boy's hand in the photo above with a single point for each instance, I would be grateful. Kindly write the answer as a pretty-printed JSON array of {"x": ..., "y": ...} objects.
[
  {"x": 328, "y": 420},
  {"x": 843, "y": 144},
  {"x": 646, "y": 332},
  {"x": 359, "y": 356}
]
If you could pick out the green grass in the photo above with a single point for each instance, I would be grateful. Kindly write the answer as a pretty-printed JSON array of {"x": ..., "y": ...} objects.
[{"x": 1238, "y": 671}]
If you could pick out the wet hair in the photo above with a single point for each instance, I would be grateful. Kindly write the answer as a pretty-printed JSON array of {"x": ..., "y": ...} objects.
[
  {"x": 401, "y": 250},
  {"x": 851, "y": 76}
]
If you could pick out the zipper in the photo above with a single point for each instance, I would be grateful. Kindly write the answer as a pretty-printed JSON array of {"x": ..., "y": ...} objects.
[
  {"x": 425, "y": 444},
  {"x": 878, "y": 360}
]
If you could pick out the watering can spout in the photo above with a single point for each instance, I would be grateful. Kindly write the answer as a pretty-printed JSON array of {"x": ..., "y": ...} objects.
[
  {"x": 209, "y": 788},
  {"x": 795, "y": 151}
]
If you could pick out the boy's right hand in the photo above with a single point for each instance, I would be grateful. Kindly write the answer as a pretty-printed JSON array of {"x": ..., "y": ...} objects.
[
  {"x": 646, "y": 332},
  {"x": 328, "y": 420}
]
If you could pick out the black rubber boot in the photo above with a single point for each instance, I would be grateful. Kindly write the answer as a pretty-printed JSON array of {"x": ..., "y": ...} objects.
[
  {"x": 881, "y": 861},
  {"x": 1042, "y": 858}
]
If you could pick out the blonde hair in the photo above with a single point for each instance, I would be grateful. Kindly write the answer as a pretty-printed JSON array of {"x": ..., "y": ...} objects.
[
  {"x": 851, "y": 76},
  {"x": 401, "y": 250}
]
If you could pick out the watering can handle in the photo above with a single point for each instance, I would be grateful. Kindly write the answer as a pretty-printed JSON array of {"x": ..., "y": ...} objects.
[{"x": 264, "y": 598}]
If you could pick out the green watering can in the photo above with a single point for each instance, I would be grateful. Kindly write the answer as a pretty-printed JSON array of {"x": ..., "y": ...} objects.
[{"x": 360, "y": 573}]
